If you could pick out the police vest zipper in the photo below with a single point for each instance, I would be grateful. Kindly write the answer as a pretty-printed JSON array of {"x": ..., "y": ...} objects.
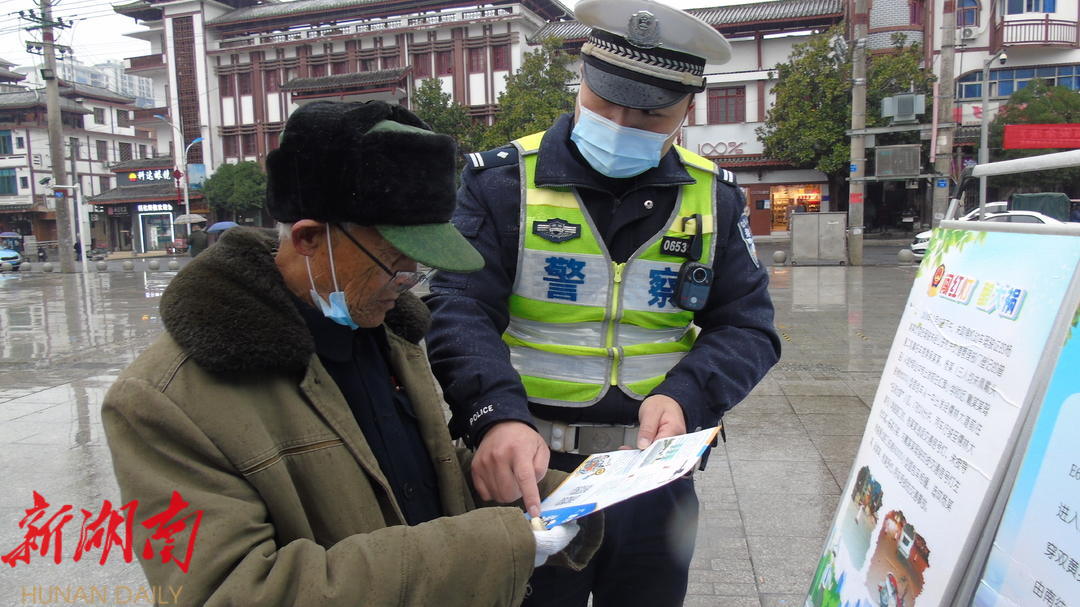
[{"x": 613, "y": 319}]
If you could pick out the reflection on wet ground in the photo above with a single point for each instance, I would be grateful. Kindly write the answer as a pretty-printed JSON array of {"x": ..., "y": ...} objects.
[{"x": 768, "y": 495}]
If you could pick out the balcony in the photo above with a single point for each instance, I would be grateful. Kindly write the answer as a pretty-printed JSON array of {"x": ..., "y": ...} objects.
[
  {"x": 1036, "y": 32},
  {"x": 146, "y": 63},
  {"x": 145, "y": 116}
]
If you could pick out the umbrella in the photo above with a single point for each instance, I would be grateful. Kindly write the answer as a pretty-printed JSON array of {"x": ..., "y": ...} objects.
[
  {"x": 221, "y": 226},
  {"x": 189, "y": 218},
  {"x": 10, "y": 235}
]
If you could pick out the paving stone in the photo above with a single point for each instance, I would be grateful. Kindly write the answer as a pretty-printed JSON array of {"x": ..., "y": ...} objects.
[{"x": 800, "y": 478}]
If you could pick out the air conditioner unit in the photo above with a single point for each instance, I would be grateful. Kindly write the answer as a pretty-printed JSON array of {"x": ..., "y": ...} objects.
[{"x": 969, "y": 33}]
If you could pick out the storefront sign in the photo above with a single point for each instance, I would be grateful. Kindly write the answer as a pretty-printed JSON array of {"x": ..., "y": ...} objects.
[
  {"x": 157, "y": 207},
  {"x": 1037, "y": 546},
  {"x": 117, "y": 210},
  {"x": 149, "y": 176},
  {"x": 721, "y": 148},
  {"x": 958, "y": 379},
  {"x": 1042, "y": 136}
]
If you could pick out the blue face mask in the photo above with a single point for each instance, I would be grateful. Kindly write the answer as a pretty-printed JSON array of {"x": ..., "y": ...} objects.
[
  {"x": 336, "y": 309},
  {"x": 616, "y": 150}
]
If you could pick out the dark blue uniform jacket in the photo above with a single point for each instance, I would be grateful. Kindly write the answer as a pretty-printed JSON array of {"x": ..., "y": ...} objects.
[{"x": 737, "y": 344}]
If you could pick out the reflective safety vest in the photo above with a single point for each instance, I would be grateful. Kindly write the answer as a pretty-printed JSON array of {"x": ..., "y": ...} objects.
[{"x": 580, "y": 323}]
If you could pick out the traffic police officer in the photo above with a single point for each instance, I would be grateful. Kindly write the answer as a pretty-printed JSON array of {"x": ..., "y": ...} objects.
[{"x": 622, "y": 300}]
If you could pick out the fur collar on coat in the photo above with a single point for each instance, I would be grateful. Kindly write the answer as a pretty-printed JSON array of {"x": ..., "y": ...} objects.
[{"x": 230, "y": 311}]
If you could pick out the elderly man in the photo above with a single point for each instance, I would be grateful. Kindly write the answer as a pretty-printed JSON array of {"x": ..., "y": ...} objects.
[
  {"x": 288, "y": 414},
  {"x": 622, "y": 300}
]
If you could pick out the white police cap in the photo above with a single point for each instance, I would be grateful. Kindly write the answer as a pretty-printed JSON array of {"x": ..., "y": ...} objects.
[{"x": 644, "y": 54}]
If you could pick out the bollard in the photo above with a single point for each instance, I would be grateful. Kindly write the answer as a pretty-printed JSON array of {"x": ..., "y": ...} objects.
[
  {"x": 26, "y": 267},
  {"x": 905, "y": 256},
  {"x": 174, "y": 265},
  {"x": 47, "y": 267},
  {"x": 102, "y": 266},
  {"x": 129, "y": 265},
  {"x": 6, "y": 267},
  {"x": 153, "y": 265},
  {"x": 779, "y": 257}
]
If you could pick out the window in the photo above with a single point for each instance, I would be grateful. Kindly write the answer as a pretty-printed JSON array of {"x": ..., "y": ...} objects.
[
  {"x": 5, "y": 142},
  {"x": 476, "y": 60},
  {"x": 421, "y": 63},
  {"x": 225, "y": 85},
  {"x": 272, "y": 79},
  {"x": 367, "y": 65},
  {"x": 142, "y": 150},
  {"x": 273, "y": 140},
  {"x": 339, "y": 67},
  {"x": 915, "y": 12},
  {"x": 24, "y": 182},
  {"x": 99, "y": 115},
  {"x": 1005, "y": 82},
  {"x": 74, "y": 149},
  {"x": 390, "y": 63},
  {"x": 500, "y": 57},
  {"x": 727, "y": 105},
  {"x": 7, "y": 182},
  {"x": 104, "y": 183},
  {"x": 248, "y": 143},
  {"x": 229, "y": 145},
  {"x": 243, "y": 84},
  {"x": 20, "y": 143},
  {"x": 1019, "y": 7},
  {"x": 125, "y": 150},
  {"x": 444, "y": 63},
  {"x": 123, "y": 118},
  {"x": 318, "y": 71},
  {"x": 102, "y": 150},
  {"x": 967, "y": 13}
]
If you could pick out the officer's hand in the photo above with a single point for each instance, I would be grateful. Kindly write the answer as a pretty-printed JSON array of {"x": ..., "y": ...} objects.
[
  {"x": 511, "y": 459},
  {"x": 659, "y": 416}
]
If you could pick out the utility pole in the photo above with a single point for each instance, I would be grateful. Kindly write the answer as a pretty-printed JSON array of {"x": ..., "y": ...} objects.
[
  {"x": 56, "y": 146},
  {"x": 943, "y": 106},
  {"x": 857, "y": 187}
]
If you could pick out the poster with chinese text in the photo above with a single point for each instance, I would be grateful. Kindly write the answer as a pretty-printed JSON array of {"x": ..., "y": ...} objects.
[{"x": 959, "y": 374}]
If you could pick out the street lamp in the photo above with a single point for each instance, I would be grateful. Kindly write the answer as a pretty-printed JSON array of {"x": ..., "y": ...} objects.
[
  {"x": 984, "y": 133},
  {"x": 187, "y": 179}
]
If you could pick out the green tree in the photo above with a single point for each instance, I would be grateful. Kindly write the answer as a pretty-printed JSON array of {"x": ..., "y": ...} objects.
[
  {"x": 1038, "y": 103},
  {"x": 535, "y": 96},
  {"x": 236, "y": 188},
  {"x": 806, "y": 125},
  {"x": 439, "y": 110}
]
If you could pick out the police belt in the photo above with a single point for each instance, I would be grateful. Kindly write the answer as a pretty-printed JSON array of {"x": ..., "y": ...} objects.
[{"x": 586, "y": 439}]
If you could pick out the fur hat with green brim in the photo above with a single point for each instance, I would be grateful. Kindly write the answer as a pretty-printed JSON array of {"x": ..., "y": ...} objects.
[{"x": 372, "y": 164}]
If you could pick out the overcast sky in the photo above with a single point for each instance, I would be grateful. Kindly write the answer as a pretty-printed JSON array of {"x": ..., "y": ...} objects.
[{"x": 97, "y": 33}]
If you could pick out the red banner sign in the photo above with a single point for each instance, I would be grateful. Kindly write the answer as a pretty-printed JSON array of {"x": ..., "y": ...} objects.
[{"x": 1042, "y": 136}]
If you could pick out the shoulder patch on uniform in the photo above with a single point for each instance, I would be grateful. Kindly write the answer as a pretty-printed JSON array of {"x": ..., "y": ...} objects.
[
  {"x": 492, "y": 158},
  {"x": 728, "y": 177},
  {"x": 748, "y": 239}
]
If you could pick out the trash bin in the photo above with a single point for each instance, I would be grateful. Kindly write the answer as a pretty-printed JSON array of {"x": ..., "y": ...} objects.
[{"x": 818, "y": 238}]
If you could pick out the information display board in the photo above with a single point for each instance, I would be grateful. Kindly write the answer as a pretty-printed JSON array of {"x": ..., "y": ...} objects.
[
  {"x": 1035, "y": 552},
  {"x": 957, "y": 380}
]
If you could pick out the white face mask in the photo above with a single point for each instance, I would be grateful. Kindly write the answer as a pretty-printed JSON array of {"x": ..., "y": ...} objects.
[{"x": 336, "y": 309}]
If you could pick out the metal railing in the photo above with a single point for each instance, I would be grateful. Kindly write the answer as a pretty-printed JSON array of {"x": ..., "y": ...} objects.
[{"x": 1045, "y": 31}]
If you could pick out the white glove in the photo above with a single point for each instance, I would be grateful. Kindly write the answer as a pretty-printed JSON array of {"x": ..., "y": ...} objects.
[{"x": 550, "y": 541}]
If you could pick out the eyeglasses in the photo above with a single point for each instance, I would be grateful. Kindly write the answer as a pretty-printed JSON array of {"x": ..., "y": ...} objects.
[{"x": 402, "y": 281}]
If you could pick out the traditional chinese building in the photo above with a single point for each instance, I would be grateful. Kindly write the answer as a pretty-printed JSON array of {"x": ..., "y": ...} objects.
[
  {"x": 97, "y": 132},
  {"x": 137, "y": 214}
]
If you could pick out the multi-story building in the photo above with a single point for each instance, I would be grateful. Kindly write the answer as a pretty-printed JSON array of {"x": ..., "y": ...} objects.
[
  {"x": 111, "y": 75},
  {"x": 98, "y": 131}
]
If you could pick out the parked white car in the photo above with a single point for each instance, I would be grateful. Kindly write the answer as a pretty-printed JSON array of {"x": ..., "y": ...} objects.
[{"x": 918, "y": 245}]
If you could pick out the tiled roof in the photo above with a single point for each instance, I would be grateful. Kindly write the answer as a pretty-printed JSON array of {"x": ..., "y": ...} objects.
[
  {"x": 284, "y": 9},
  {"x": 27, "y": 99},
  {"x": 148, "y": 192},
  {"x": 5, "y": 63},
  {"x": 345, "y": 80},
  {"x": 157, "y": 162},
  {"x": 718, "y": 17},
  {"x": 76, "y": 89},
  {"x": 10, "y": 76}
]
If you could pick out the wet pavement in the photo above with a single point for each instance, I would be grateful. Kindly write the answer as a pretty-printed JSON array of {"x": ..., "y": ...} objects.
[{"x": 768, "y": 495}]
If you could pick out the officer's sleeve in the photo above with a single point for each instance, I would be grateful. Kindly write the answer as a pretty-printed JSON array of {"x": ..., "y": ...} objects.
[
  {"x": 470, "y": 311},
  {"x": 738, "y": 343}
]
